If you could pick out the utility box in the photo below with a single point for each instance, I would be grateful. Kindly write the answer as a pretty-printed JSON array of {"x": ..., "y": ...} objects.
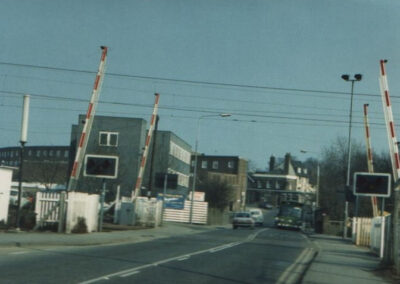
[
  {"x": 127, "y": 214},
  {"x": 5, "y": 188}
]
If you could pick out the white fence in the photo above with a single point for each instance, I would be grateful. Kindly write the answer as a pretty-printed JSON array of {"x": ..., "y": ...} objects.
[
  {"x": 361, "y": 233},
  {"x": 200, "y": 211},
  {"x": 380, "y": 230},
  {"x": 148, "y": 211},
  {"x": 82, "y": 205},
  {"x": 47, "y": 207},
  {"x": 5, "y": 187},
  {"x": 372, "y": 232},
  {"x": 79, "y": 204}
]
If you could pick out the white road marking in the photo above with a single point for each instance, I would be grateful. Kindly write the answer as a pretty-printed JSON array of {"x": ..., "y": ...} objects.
[
  {"x": 19, "y": 252},
  {"x": 134, "y": 270},
  {"x": 183, "y": 258},
  {"x": 129, "y": 274},
  {"x": 290, "y": 275}
]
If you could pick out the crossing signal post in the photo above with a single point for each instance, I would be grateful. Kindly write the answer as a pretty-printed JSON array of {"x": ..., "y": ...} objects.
[{"x": 100, "y": 166}]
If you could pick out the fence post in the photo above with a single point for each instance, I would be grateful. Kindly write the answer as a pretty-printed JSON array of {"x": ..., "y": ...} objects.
[{"x": 61, "y": 213}]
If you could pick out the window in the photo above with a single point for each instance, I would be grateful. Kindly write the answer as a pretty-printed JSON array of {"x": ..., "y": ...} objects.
[
  {"x": 215, "y": 165},
  {"x": 37, "y": 153},
  {"x": 12, "y": 154},
  {"x": 305, "y": 171},
  {"x": 277, "y": 185},
  {"x": 259, "y": 184},
  {"x": 50, "y": 153},
  {"x": 45, "y": 153},
  {"x": 268, "y": 184},
  {"x": 231, "y": 164},
  {"x": 58, "y": 153},
  {"x": 108, "y": 139},
  {"x": 204, "y": 164},
  {"x": 299, "y": 170},
  {"x": 30, "y": 153},
  {"x": 66, "y": 154}
]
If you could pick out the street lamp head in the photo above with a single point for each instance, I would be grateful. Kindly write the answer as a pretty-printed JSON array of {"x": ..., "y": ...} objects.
[
  {"x": 358, "y": 77},
  {"x": 225, "y": 114},
  {"x": 345, "y": 77}
]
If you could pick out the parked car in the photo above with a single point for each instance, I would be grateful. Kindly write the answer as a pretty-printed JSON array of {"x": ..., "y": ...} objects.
[
  {"x": 242, "y": 219},
  {"x": 257, "y": 216}
]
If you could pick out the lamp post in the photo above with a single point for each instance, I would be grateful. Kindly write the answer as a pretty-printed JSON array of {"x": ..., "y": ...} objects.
[
  {"x": 24, "y": 136},
  {"x": 357, "y": 77},
  {"x": 196, "y": 154}
]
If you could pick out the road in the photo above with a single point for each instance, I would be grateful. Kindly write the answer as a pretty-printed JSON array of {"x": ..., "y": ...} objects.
[{"x": 262, "y": 255}]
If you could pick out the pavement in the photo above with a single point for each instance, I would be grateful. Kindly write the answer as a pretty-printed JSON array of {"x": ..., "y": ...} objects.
[
  {"x": 129, "y": 235},
  {"x": 338, "y": 260}
]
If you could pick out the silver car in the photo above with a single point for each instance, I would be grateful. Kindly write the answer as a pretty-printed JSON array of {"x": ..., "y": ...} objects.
[{"x": 243, "y": 219}]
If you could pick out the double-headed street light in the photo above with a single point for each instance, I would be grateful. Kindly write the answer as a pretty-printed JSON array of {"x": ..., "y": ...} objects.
[
  {"x": 357, "y": 77},
  {"x": 196, "y": 154}
]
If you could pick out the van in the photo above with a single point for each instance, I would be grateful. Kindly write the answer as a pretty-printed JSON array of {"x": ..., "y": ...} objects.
[{"x": 257, "y": 216}]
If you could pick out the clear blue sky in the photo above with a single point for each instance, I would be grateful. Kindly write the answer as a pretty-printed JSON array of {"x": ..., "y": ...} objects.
[{"x": 283, "y": 44}]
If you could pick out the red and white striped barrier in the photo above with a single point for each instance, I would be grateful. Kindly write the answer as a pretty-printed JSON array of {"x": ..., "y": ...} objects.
[
  {"x": 387, "y": 109},
  {"x": 369, "y": 157},
  {"x": 87, "y": 126},
  {"x": 139, "y": 179}
]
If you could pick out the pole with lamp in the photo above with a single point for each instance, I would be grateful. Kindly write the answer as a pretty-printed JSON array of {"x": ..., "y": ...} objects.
[
  {"x": 196, "y": 145},
  {"x": 24, "y": 136},
  {"x": 357, "y": 77}
]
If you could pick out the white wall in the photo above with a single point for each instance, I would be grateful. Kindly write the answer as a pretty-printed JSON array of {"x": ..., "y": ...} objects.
[
  {"x": 82, "y": 205},
  {"x": 5, "y": 187}
]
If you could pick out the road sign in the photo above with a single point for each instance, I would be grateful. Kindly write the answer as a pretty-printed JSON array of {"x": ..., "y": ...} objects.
[
  {"x": 372, "y": 184},
  {"x": 101, "y": 166},
  {"x": 173, "y": 201}
]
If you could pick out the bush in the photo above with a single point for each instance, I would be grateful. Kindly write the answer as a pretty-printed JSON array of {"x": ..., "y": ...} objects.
[{"x": 80, "y": 227}]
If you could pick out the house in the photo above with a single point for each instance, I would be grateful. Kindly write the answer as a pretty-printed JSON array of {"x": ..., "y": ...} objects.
[
  {"x": 285, "y": 181},
  {"x": 231, "y": 169}
]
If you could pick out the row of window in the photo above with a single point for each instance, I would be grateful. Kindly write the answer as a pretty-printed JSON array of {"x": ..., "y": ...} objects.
[
  {"x": 215, "y": 165},
  {"x": 179, "y": 153},
  {"x": 183, "y": 180},
  {"x": 109, "y": 139},
  {"x": 273, "y": 184},
  {"x": 38, "y": 153},
  {"x": 10, "y": 163}
]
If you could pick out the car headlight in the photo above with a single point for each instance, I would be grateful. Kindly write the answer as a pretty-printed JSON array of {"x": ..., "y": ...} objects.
[{"x": 276, "y": 218}]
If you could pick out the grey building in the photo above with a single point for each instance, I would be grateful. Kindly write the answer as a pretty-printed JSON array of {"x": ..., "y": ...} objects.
[
  {"x": 42, "y": 164},
  {"x": 172, "y": 155},
  {"x": 112, "y": 136},
  {"x": 125, "y": 137}
]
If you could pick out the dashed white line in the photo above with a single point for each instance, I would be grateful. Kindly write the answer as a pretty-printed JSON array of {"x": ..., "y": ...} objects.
[
  {"x": 135, "y": 270},
  {"x": 19, "y": 252},
  {"x": 130, "y": 274}
]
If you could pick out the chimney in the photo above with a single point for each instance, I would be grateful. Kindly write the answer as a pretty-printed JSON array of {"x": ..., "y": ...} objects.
[
  {"x": 271, "y": 163},
  {"x": 287, "y": 163}
]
